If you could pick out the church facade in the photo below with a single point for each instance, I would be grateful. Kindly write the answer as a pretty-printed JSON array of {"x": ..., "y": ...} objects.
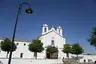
[{"x": 48, "y": 37}]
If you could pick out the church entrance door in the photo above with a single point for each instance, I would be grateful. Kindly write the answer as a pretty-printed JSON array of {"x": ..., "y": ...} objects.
[
  {"x": 52, "y": 55},
  {"x": 48, "y": 55}
]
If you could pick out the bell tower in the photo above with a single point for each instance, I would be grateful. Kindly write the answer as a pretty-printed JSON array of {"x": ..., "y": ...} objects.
[
  {"x": 44, "y": 28},
  {"x": 59, "y": 30}
]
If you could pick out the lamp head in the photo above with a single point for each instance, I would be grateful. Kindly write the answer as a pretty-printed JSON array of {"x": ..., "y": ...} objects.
[{"x": 29, "y": 11}]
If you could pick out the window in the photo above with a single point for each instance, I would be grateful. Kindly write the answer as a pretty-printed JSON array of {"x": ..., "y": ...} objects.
[
  {"x": 1, "y": 62},
  {"x": 17, "y": 43},
  {"x": 1, "y": 42},
  {"x": 59, "y": 31},
  {"x": 21, "y": 55},
  {"x": 84, "y": 60},
  {"x": 45, "y": 30},
  {"x": 24, "y": 44},
  {"x": 52, "y": 42}
]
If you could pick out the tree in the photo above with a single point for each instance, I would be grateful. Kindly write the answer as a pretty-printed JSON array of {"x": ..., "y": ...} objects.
[
  {"x": 6, "y": 46},
  {"x": 51, "y": 50},
  {"x": 36, "y": 46},
  {"x": 76, "y": 49},
  {"x": 92, "y": 38},
  {"x": 67, "y": 49}
]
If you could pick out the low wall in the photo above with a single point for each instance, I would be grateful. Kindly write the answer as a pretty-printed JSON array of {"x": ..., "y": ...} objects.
[
  {"x": 32, "y": 61},
  {"x": 88, "y": 58}
]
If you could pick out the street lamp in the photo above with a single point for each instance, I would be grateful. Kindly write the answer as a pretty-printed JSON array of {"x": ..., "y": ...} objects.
[{"x": 29, "y": 11}]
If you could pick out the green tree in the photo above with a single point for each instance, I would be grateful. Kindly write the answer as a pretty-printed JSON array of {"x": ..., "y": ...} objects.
[
  {"x": 67, "y": 49},
  {"x": 36, "y": 46},
  {"x": 6, "y": 46},
  {"x": 51, "y": 50},
  {"x": 0, "y": 44},
  {"x": 76, "y": 49},
  {"x": 92, "y": 38}
]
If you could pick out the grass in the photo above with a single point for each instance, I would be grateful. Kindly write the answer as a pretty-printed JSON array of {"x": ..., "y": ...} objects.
[{"x": 72, "y": 61}]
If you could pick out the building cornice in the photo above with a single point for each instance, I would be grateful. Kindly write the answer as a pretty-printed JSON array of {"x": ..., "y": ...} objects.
[
  {"x": 50, "y": 32},
  {"x": 17, "y": 40}
]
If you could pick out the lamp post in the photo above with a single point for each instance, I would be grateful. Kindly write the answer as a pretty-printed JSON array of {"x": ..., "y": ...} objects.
[{"x": 29, "y": 11}]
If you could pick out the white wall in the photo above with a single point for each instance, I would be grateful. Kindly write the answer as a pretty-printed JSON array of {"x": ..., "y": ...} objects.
[
  {"x": 58, "y": 41},
  {"x": 20, "y": 49},
  {"x": 23, "y": 49},
  {"x": 46, "y": 40},
  {"x": 87, "y": 57},
  {"x": 32, "y": 61}
]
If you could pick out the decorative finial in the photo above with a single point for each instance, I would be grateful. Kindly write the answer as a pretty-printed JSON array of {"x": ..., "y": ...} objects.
[
  {"x": 45, "y": 25},
  {"x": 52, "y": 26}
]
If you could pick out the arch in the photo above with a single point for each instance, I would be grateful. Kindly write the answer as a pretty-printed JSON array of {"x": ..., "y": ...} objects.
[
  {"x": 59, "y": 31},
  {"x": 52, "y": 56},
  {"x": 45, "y": 29}
]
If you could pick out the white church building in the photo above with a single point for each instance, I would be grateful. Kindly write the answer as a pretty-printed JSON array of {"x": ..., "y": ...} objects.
[{"x": 47, "y": 37}]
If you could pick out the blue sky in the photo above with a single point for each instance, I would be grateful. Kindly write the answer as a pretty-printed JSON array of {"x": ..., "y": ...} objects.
[{"x": 76, "y": 17}]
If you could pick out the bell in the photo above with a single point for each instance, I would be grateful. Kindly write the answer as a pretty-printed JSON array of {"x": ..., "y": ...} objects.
[{"x": 29, "y": 11}]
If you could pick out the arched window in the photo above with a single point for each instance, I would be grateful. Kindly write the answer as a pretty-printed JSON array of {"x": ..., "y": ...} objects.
[
  {"x": 17, "y": 43},
  {"x": 52, "y": 42},
  {"x": 21, "y": 55},
  {"x": 45, "y": 30},
  {"x": 24, "y": 44},
  {"x": 59, "y": 31}
]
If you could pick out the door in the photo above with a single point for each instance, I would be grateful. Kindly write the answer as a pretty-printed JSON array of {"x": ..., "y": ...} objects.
[{"x": 21, "y": 55}]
